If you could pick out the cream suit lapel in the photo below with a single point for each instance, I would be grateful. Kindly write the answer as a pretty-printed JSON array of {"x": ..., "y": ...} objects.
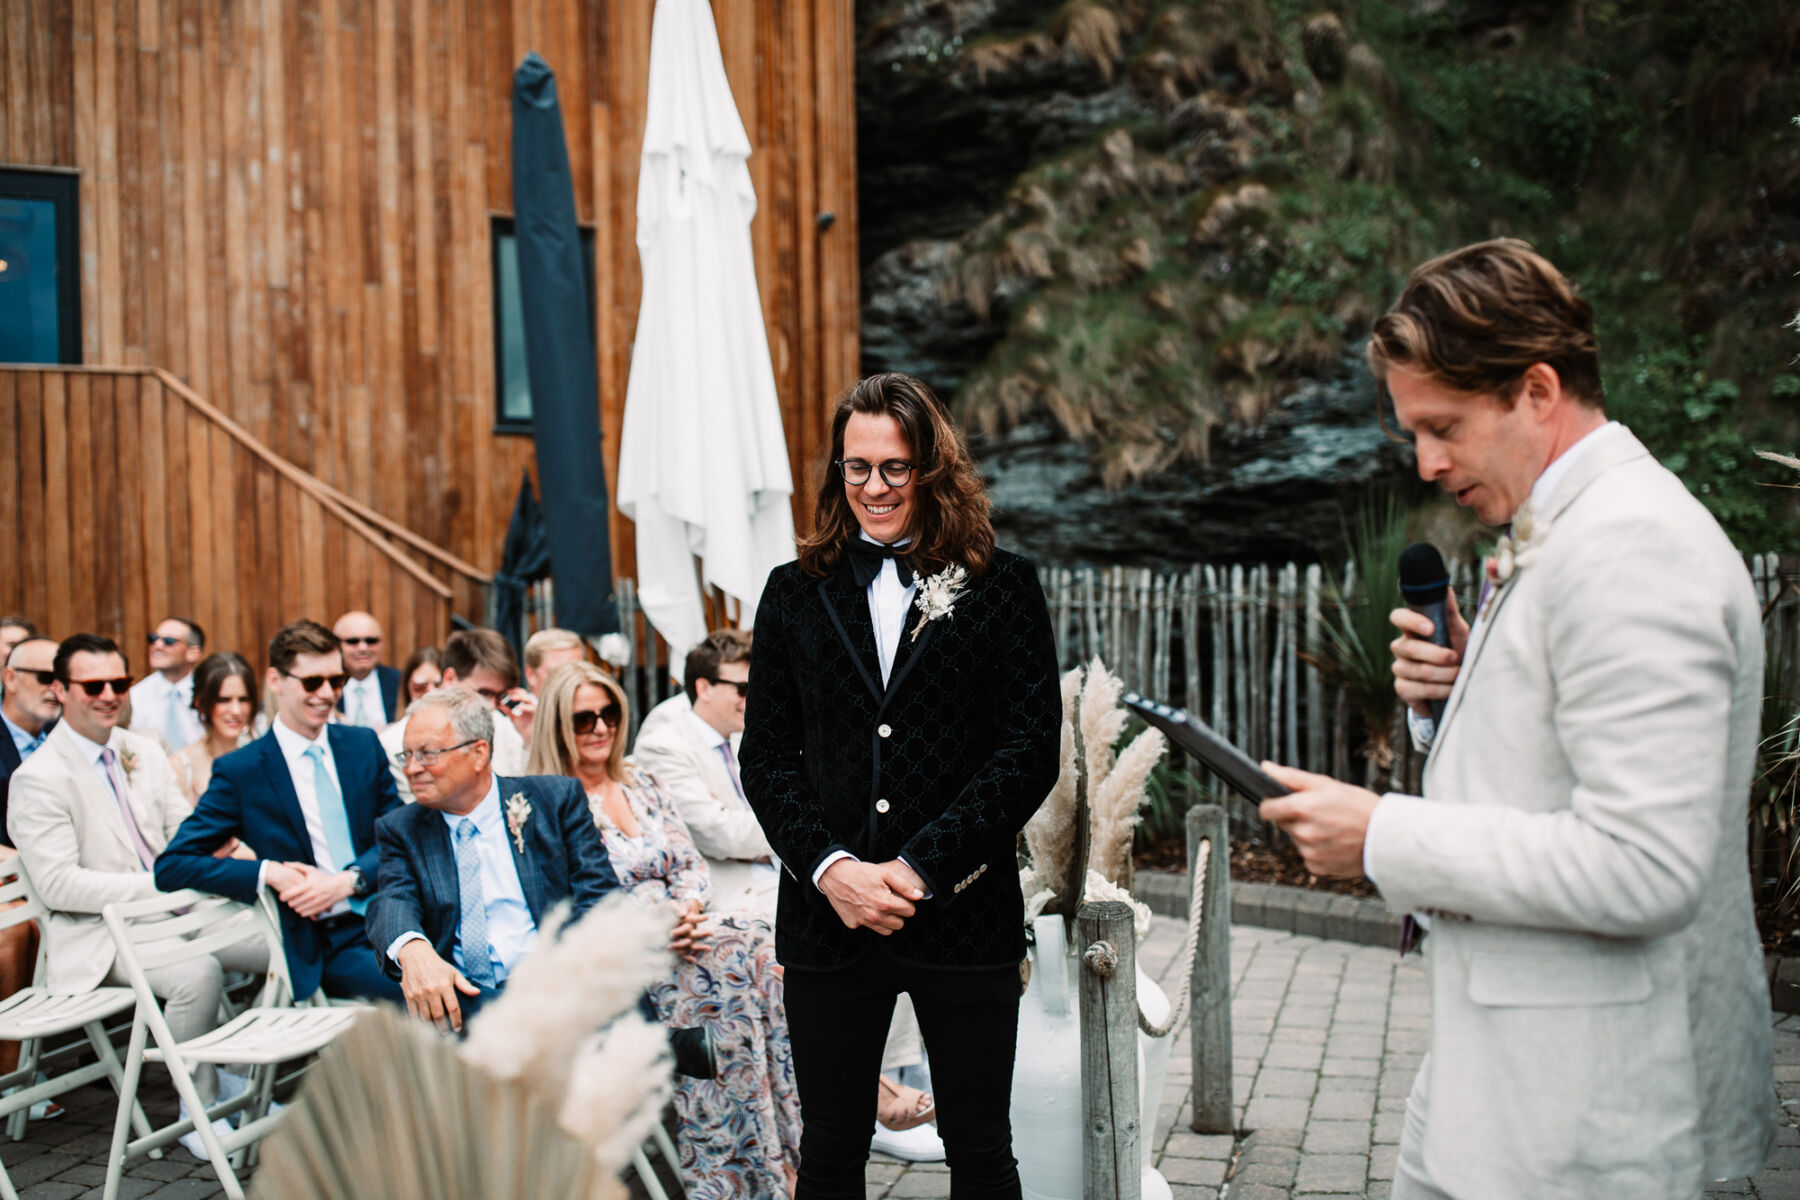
[
  {"x": 1619, "y": 447},
  {"x": 89, "y": 790}
]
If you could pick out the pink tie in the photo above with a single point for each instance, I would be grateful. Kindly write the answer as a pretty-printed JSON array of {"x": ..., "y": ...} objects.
[
  {"x": 731, "y": 766},
  {"x": 111, "y": 759}
]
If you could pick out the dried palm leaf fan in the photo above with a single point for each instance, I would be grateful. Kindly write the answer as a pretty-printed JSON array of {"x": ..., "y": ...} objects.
[{"x": 534, "y": 1104}]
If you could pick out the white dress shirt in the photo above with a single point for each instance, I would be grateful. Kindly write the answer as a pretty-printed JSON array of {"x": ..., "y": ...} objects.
[
  {"x": 150, "y": 698},
  {"x": 300, "y": 770},
  {"x": 889, "y": 603},
  {"x": 511, "y": 931},
  {"x": 91, "y": 750},
  {"x": 1424, "y": 729},
  {"x": 367, "y": 693}
]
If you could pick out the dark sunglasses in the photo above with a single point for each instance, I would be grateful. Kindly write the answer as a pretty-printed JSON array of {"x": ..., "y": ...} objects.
[
  {"x": 740, "y": 686},
  {"x": 585, "y": 720},
  {"x": 311, "y": 682},
  {"x": 94, "y": 687},
  {"x": 44, "y": 678},
  {"x": 362, "y": 641},
  {"x": 163, "y": 639}
]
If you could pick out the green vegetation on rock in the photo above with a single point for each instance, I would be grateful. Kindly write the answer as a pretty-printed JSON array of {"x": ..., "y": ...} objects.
[{"x": 1281, "y": 165}]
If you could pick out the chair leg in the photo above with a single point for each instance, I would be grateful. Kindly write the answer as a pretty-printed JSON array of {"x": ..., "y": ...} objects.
[
  {"x": 7, "y": 1192},
  {"x": 103, "y": 1048},
  {"x": 215, "y": 1153},
  {"x": 29, "y": 1052},
  {"x": 665, "y": 1147},
  {"x": 128, "y": 1106},
  {"x": 647, "y": 1175}
]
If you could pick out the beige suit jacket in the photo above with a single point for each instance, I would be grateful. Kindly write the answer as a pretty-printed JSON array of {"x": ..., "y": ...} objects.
[
  {"x": 1600, "y": 1017},
  {"x": 72, "y": 839},
  {"x": 724, "y": 830}
]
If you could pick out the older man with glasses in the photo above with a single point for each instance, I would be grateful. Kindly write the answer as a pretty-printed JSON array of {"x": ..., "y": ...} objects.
[
  {"x": 162, "y": 702},
  {"x": 480, "y": 660},
  {"x": 306, "y": 796}
]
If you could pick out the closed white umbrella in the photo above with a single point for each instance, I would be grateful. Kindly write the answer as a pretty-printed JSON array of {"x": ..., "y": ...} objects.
[{"x": 703, "y": 466}]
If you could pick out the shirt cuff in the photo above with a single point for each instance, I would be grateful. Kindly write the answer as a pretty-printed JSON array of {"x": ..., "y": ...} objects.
[
  {"x": 826, "y": 864},
  {"x": 915, "y": 869},
  {"x": 393, "y": 950},
  {"x": 1423, "y": 729}
]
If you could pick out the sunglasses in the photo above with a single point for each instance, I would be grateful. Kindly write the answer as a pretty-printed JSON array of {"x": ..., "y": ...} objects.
[
  {"x": 163, "y": 639},
  {"x": 585, "y": 720},
  {"x": 312, "y": 682},
  {"x": 362, "y": 641},
  {"x": 740, "y": 686},
  {"x": 94, "y": 687},
  {"x": 44, "y": 678}
]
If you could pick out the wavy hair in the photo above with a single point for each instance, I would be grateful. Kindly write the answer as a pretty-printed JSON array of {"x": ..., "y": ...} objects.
[
  {"x": 553, "y": 749},
  {"x": 954, "y": 522}
]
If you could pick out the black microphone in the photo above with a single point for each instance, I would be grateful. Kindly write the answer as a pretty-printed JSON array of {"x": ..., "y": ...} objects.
[{"x": 1425, "y": 585}]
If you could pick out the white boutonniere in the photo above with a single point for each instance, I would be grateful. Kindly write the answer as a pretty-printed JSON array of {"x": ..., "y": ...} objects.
[
  {"x": 1516, "y": 550},
  {"x": 518, "y": 811},
  {"x": 128, "y": 762},
  {"x": 937, "y": 596}
]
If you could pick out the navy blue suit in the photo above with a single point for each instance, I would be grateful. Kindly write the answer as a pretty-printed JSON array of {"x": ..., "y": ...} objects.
[
  {"x": 252, "y": 797},
  {"x": 389, "y": 680},
  {"x": 10, "y": 762},
  {"x": 564, "y": 859}
]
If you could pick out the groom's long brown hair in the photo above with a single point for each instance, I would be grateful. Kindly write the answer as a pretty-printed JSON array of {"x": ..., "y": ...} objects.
[{"x": 952, "y": 524}]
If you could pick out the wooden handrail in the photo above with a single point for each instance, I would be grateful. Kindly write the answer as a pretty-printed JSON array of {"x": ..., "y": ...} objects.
[
  {"x": 402, "y": 533},
  {"x": 303, "y": 480}
]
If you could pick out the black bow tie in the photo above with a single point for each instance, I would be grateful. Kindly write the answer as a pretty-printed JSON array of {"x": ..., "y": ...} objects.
[{"x": 866, "y": 558}]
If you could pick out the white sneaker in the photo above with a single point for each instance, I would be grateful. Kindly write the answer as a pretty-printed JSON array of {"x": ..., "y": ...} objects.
[
  {"x": 921, "y": 1143},
  {"x": 232, "y": 1085},
  {"x": 190, "y": 1141}
]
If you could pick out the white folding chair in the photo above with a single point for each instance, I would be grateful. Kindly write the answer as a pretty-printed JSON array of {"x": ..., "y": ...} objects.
[
  {"x": 33, "y": 1014},
  {"x": 640, "y": 1161},
  {"x": 176, "y": 927}
]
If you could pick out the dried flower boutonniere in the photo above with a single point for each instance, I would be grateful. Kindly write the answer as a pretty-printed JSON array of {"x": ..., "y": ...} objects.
[
  {"x": 128, "y": 762},
  {"x": 518, "y": 811},
  {"x": 938, "y": 595},
  {"x": 1516, "y": 550}
]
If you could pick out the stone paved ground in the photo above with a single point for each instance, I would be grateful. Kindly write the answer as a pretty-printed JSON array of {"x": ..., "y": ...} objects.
[{"x": 1327, "y": 1036}]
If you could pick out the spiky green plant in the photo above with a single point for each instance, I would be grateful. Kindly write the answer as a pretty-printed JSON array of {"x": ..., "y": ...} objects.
[{"x": 1355, "y": 631}]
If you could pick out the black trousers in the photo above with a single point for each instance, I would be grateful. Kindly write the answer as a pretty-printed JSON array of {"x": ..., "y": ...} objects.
[{"x": 838, "y": 1023}]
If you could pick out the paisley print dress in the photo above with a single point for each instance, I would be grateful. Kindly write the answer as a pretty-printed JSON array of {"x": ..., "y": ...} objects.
[{"x": 737, "y": 1130}]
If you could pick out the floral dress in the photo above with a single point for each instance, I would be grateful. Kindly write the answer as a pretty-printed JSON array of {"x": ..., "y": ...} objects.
[{"x": 736, "y": 1130}]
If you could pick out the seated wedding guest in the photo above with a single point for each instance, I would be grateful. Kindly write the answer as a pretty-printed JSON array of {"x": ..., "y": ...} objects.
[
  {"x": 225, "y": 700},
  {"x": 468, "y": 872},
  {"x": 545, "y": 650},
  {"x": 685, "y": 743},
  {"x": 28, "y": 710},
  {"x": 323, "y": 866},
  {"x": 423, "y": 672},
  {"x": 740, "y": 1133},
  {"x": 162, "y": 702},
  {"x": 480, "y": 660},
  {"x": 372, "y": 696},
  {"x": 89, "y": 814}
]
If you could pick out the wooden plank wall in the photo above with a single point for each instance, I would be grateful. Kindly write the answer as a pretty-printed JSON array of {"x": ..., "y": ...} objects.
[
  {"x": 131, "y": 503},
  {"x": 286, "y": 203}
]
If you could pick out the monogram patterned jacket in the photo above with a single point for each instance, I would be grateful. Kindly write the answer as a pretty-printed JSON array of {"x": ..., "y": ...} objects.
[{"x": 943, "y": 765}]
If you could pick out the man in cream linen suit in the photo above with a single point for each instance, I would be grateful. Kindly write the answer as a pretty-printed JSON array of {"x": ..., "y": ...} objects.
[
  {"x": 686, "y": 743},
  {"x": 1600, "y": 1018},
  {"x": 89, "y": 813}
]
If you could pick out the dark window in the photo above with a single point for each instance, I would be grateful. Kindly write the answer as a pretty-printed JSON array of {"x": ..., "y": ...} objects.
[
  {"x": 512, "y": 398},
  {"x": 40, "y": 279}
]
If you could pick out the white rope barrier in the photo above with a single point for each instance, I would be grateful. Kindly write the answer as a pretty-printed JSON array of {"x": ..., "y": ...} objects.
[{"x": 1189, "y": 947}]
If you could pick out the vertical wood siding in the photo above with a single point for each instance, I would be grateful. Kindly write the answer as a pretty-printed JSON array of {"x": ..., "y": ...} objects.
[{"x": 286, "y": 203}]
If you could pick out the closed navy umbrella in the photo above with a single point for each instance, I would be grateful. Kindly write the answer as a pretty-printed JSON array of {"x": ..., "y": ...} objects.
[{"x": 559, "y": 356}]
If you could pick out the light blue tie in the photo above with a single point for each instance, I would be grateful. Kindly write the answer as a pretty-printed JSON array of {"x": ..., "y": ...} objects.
[
  {"x": 173, "y": 733},
  {"x": 333, "y": 817},
  {"x": 477, "y": 962}
]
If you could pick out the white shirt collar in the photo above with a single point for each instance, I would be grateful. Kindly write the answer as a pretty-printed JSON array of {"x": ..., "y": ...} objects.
[
  {"x": 484, "y": 814},
  {"x": 295, "y": 745},
  {"x": 1557, "y": 471},
  {"x": 90, "y": 749},
  {"x": 708, "y": 734}
]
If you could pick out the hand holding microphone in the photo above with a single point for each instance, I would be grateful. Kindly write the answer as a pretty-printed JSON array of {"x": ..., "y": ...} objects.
[{"x": 1428, "y": 652}]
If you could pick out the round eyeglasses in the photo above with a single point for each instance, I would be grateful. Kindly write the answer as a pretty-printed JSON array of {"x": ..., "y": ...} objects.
[{"x": 894, "y": 472}]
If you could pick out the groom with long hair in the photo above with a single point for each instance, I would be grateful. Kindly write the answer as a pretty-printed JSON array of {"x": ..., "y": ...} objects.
[{"x": 902, "y": 724}]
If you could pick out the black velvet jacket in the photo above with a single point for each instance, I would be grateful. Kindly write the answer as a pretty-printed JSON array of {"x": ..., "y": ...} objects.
[{"x": 944, "y": 765}]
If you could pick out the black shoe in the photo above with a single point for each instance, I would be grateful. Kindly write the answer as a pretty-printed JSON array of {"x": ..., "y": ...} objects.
[{"x": 694, "y": 1053}]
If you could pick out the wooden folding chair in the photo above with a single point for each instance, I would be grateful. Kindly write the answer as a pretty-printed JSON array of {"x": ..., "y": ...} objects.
[
  {"x": 176, "y": 927},
  {"x": 32, "y": 1014}
]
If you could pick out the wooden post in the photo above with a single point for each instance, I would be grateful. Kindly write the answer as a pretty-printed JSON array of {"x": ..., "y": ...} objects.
[
  {"x": 1113, "y": 1150},
  {"x": 1315, "y": 690},
  {"x": 1209, "y": 1009}
]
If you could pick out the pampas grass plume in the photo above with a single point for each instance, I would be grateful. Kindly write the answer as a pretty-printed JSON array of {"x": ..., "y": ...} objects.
[
  {"x": 1115, "y": 808},
  {"x": 1050, "y": 833},
  {"x": 618, "y": 1089},
  {"x": 1102, "y": 721}
]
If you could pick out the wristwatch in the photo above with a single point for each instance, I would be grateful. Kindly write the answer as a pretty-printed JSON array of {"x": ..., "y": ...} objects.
[{"x": 359, "y": 883}]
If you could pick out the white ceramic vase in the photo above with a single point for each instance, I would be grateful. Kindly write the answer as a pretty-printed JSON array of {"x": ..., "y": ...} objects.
[{"x": 1046, "y": 1091}]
